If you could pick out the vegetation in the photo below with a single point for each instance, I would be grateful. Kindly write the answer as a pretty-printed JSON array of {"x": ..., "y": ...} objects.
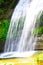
[
  {"x": 4, "y": 25},
  {"x": 2, "y": 1},
  {"x": 6, "y": 7},
  {"x": 39, "y": 25},
  {"x": 38, "y": 31},
  {"x": 6, "y": 10}
]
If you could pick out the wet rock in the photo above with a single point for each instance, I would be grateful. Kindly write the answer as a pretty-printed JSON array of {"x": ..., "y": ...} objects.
[
  {"x": 39, "y": 43},
  {"x": 2, "y": 43}
]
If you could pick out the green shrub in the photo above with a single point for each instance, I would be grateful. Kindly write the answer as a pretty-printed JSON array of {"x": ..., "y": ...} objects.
[{"x": 4, "y": 25}]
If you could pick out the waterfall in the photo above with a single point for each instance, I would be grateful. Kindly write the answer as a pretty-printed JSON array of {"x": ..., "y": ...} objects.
[{"x": 20, "y": 34}]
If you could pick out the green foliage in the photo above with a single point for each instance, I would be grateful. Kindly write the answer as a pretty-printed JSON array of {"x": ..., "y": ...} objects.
[
  {"x": 1, "y": 10},
  {"x": 4, "y": 24},
  {"x": 38, "y": 31},
  {"x": 39, "y": 25},
  {"x": 2, "y": 1}
]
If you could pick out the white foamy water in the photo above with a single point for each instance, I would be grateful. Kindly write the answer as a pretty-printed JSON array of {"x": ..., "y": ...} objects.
[
  {"x": 17, "y": 54},
  {"x": 20, "y": 35}
]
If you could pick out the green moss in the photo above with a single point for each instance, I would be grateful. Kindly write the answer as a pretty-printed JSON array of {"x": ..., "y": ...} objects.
[{"x": 4, "y": 25}]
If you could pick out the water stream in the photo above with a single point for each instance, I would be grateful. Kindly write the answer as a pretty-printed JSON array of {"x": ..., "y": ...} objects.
[{"x": 20, "y": 34}]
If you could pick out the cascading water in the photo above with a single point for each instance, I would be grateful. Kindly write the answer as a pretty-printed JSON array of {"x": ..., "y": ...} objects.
[{"x": 20, "y": 35}]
